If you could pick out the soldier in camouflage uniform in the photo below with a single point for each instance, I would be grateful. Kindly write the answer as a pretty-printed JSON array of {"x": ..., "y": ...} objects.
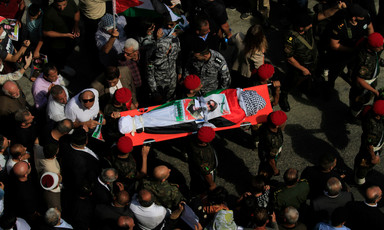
[
  {"x": 210, "y": 66},
  {"x": 366, "y": 72},
  {"x": 162, "y": 68},
  {"x": 271, "y": 142},
  {"x": 202, "y": 161},
  {"x": 122, "y": 160},
  {"x": 164, "y": 193},
  {"x": 301, "y": 54},
  {"x": 372, "y": 141},
  {"x": 294, "y": 193}
]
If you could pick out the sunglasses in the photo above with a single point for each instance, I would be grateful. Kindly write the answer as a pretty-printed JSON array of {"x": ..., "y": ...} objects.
[{"x": 88, "y": 100}]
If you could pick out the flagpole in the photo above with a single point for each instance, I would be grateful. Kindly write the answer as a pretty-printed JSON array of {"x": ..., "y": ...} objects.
[{"x": 114, "y": 13}]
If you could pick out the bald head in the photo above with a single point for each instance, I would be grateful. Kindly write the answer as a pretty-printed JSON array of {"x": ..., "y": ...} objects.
[
  {"x": 333, "y": 186},
  {"x": 125, "y": 222},
  {"x": 11, "y": 89},
  {"x": 122, "y": 198},
  {"x": 291, "y": 176},
  {"x": 21, "y": 169},
  {"x": 161, "y": 172},
  {"x": 373, "y": 194},
  {"x": 145, "y": 198}
]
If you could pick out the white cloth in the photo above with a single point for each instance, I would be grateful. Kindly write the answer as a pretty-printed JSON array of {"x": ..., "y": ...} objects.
[
  {"x": 113, "y": 89},
  {"x": 21, "y": 224},
  {"x": 3, "y": 161},
  {"x": 148, "y": 217},
  {"x": 64, "y": 224},
  {"x": 10, "y": 76},
  {"x": 56, "y": 110},
  {"x": 75, "y": 110}
]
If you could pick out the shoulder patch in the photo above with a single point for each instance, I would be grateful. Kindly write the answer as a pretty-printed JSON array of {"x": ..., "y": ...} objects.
[
  {"x": 365, "y": 26},
  {"x": 224, "y": 67},
  {"x": 290, "y": 39},
  {"x": 335, "y": 32},
  {"x": 218, "y": 60},
  {"x": 340, "y": 26}
]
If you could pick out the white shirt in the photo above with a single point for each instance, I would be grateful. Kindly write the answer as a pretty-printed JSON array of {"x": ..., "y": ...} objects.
[
  {"x": 87, "y": 150},
  {"x": 75, "y": 110},
  {"x": 64, "y": 224},
  {"x": 56, "y": 110},
  {"x": 148, "y": 217}
]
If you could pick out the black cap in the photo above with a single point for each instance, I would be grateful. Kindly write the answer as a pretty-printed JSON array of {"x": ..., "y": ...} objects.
[
  {"x": 199, "y": 45},
  {"x": 356, "y": 10},
  {"x": 303, "y": 20}
]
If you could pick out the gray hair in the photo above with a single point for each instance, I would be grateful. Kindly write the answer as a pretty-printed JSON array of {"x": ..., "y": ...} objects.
[
  {"x": 106, "y": 175},
  {"x": 291, "y": 215},
  {"x": 130, "y": 42},
  {"x": 6, "y": 91},
  {"x": 333, "y": 186},
  {"x": 52, "y": 217},
  {"x": 21, "y": 114}
]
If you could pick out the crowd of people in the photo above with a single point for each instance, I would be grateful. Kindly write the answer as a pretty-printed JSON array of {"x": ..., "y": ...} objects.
[{"x": 64, "y": 163}]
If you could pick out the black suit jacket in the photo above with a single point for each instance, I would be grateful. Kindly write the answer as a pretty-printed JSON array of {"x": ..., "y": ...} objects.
[
  {"x": 78, "y": 167},
  {"x": 362, "y": 216}
]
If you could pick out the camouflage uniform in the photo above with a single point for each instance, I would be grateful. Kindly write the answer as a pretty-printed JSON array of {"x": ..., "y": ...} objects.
[
  {"x": 295, "y": 48},
  {"x": 214, "y": 74},
  {"x": 202, "y": 162},
  {"x": 373, "y": 135},
  {"x": 126, "y": 168},
  {"x": 348, "y": 35},
  {"x": 368, "y": 69},
  {"x": 269, "y": 146},
  {"x": 164, "y": 193},
  {"x": 294, "y": 196},
  {"x": 162, "y": 68}
]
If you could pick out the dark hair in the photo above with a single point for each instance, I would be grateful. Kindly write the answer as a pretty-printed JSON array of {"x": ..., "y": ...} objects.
[
  {"x": 339, "y": 215},
  {"x": 20, "y": 115},
  {"x": 218, "y": 196},
  {"x": 56, "y": 90},
  {"x": 1, "y": 142},
  {"x": 212, "y": 107},
  {"x": 48, "y": 67},
  {"x": 255, "y": 39},
  {"x": 50, "y": 150},
  {"x": 62, "y": 128},
  {"x": 199, "y": 21},
  {"x": 33, "y": 9},
  {"x": 79, "y": 137},
  {"x": 260, "y": 217},
  {"x": 327, "y": 160},
  {"x": 13, "y": 150},
  {"x": 257, "y": 184},
  {"x": 8, "y": 221},
  {"x": 111, "y": 73}
]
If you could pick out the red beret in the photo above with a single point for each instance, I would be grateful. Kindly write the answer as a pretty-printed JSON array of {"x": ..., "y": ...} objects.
[
  {"x": 125, "y": 144},
  {"x": 265, "y": 71},
  {"x": 123, "y": 95},
  {"x": 192, "y": 82},
  {"x": 378, "y": 107},
  {"x": 375, "y": 40},
  {"x": 206, "y": 134},
  {"x": 278, "y": 117}
]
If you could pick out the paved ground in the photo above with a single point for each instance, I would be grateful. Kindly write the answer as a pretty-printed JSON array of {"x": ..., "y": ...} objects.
[{"x": 313, "y": 127}]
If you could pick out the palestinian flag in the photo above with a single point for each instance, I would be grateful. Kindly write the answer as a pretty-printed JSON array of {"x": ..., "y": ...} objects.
[{"x": 136, "y": 8}]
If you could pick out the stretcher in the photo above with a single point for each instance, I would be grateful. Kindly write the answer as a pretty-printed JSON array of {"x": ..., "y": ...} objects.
[{"x": 146, "y": 138}]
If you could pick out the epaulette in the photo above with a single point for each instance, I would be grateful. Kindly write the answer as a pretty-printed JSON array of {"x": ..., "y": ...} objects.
[
  {"x": 303, "y": 180},
  {"x": 340, "y": 26},
  {"x": 290, "y": 39}
]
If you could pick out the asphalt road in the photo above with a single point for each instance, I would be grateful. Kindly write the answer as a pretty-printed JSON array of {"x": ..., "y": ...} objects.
[{"x": 314, "y": 126}]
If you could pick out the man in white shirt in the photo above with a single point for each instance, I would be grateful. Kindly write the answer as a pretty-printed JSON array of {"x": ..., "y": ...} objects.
[
  {"x": 83, "y": 108},
  {"x": 148, "y": 214},
  {"x": 57, "y": 100}
]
